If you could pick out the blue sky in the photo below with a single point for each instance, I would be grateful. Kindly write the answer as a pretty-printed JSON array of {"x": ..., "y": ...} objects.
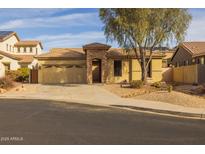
[{"x": 73, "y": 27}]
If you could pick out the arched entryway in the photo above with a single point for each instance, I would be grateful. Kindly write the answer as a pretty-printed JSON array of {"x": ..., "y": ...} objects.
[{"x": 96, "y": 70}]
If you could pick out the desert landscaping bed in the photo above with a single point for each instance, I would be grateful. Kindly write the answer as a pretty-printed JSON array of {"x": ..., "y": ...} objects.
[{"x": 151, "y": 93}]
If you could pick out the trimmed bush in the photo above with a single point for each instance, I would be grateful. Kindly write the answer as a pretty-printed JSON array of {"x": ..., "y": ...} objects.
[
  {"x": 136, "y": 84},
  {"x": 6, "y": 83}
]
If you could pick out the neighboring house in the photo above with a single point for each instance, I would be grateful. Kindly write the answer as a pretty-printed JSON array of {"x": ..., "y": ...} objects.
[
  {"x": 166, "y": 61},
  {"x": 15, "y": 53},
  {"x": 189, "y": 53},
  {"x": 189, "y": 64},
  {"x": 94, "y": 63}
]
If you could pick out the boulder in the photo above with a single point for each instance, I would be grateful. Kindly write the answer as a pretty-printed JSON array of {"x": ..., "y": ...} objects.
[{"x": 2, "y": 91}]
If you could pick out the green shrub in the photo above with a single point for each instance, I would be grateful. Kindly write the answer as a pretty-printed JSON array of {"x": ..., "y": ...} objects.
[
  {"x": 6, "y": 83},
  {"x": 170, "y": 88},
  {"x": 20, "y": 75},
  {"x": 136, "y": 84},
  {"x": 23, "y": 75}
]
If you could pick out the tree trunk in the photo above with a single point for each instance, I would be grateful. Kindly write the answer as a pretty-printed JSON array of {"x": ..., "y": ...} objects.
[{"x": 143, "y": 68}]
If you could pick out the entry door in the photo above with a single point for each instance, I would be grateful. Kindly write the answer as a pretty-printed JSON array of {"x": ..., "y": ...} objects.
[{"x": 96, "y": 71}]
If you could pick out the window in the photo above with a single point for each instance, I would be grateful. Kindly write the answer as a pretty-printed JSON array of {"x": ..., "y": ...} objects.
[
  {"x": 7, "y": 47},
  {"x": 202, "y": 60},
  {"x": 36, "y": 51},
  {"x": 24, "y": 49},
  {"x": 10, "y": 48},
  {"x": 197, "y": 61},
  {"x": 177, "y": 64},
  {"x": 19, "y": 49},
  {"x": 117, "y": 68},
  {"x": 186, "y": 62},
  {"x": 31, "y": 49}
]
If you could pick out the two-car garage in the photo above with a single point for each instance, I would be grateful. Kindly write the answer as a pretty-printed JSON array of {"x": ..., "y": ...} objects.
[
  {"x": 55, "y": 74},
  {"x": 66, "y": 67}
]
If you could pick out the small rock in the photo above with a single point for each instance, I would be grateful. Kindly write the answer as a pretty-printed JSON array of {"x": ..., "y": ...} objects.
[{"x": 2, "y": 91}]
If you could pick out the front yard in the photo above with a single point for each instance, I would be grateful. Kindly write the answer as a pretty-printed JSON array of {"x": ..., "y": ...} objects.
[{"x": 179, "y": 96}]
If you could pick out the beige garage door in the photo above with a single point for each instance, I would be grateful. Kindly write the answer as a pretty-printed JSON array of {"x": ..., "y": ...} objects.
[{"x": 63, "y": 74}]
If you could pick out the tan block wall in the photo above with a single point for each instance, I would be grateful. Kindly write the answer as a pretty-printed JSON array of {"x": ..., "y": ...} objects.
[
  {"x": 54, "y": 74},
  {"x": 185, "y": 74},
  {"x": 117, "y": 79}
]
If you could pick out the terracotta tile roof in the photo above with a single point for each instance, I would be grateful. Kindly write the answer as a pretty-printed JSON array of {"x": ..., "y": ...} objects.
[
  {"x": 96, "y": 45},
  {"x": 119, "y": 52},
  {"x": 194, "y": 48},
  {"x": 78, "y": 53},
  {"x": 31, "y": 43},
  {"x": 63, "y": 53},
  {"x": 25, "y": 58},
  {"x": 20, "y": 58},
  {"x": 9, "y": 55},
  {"x": 168, "y": 54},
  {"x": 7, "y": 34}
]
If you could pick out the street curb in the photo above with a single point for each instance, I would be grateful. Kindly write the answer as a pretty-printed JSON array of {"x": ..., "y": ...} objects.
[
  {"x": 142, "y": 109},
  {"x": 174, "y": 113}
]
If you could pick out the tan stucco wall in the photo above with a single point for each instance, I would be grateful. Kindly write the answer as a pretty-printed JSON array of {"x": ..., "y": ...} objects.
[
  {"x": 131, "y": 70},
  {"x": 156, "y": 70},
  {"x": 135, "y": 70},
  {"x": 62, "y": 75},
  {"x": 125, "y": 72},
  {"x": 156, "y": 66}
]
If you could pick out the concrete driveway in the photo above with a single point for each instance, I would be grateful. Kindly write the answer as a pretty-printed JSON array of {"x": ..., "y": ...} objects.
[{"x": 91, "y": 94}]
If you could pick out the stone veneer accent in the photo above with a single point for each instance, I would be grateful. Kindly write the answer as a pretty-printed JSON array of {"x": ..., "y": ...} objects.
[{"x": 96, "y": 51}]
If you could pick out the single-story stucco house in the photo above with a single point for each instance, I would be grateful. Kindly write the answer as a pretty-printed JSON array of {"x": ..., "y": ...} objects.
[
  {"x": 94, "y": 63},
  {"x": 15, "y": 53}
]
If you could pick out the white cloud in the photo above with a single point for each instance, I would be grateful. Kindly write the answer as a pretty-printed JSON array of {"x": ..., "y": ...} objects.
[
  {"x": 71, "y": 40},
  {"x": 76, "y": 19}
]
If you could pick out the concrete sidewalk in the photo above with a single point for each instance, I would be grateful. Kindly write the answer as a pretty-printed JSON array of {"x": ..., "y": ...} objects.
[{"x": 96, "y": 95}]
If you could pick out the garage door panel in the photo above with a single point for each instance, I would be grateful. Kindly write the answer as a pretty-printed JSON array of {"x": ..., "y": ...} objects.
[{"x": 56, "y": 75}]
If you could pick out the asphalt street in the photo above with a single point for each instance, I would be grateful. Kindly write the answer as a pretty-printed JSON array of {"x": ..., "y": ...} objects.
[{"x": 51, "y": 122}]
